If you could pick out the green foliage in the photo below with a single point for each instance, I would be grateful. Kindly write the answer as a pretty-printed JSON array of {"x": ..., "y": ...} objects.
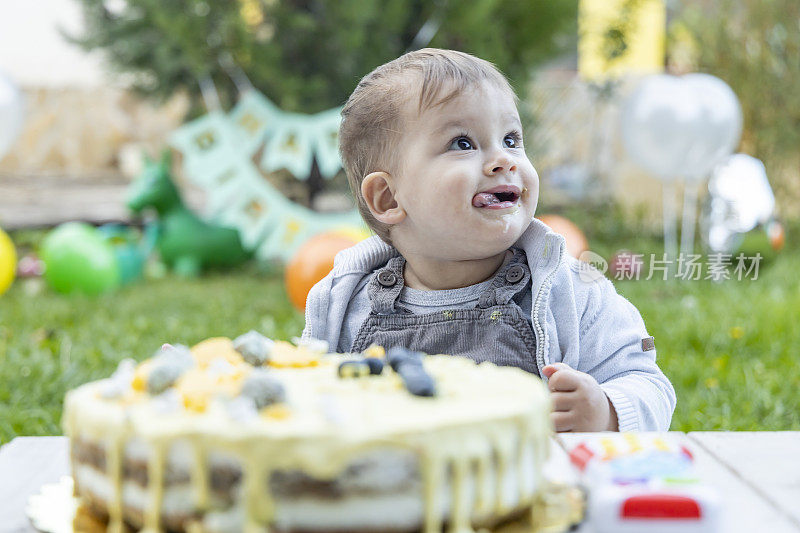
[
  {"x": 308, "y": 55},
  {"x": 753, "y": 45}
]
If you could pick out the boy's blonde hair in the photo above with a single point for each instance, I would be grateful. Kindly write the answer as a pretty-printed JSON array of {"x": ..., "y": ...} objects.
[{"x": 371, "y": 118}]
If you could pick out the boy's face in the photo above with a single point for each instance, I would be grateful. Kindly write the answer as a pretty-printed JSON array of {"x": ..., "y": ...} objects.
[{"x": 463, "y": 179}]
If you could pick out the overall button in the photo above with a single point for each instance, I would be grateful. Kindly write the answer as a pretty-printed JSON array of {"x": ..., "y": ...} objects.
[
  {"x": 387, "y": 278},
  {"x": 515, "y": 273},
  {"x": 486, "y": 299}
]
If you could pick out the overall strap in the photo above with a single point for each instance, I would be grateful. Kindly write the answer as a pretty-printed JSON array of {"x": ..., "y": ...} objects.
[
  {"x": 507, "y": 282},
  {"x": 385, "y": 286}
]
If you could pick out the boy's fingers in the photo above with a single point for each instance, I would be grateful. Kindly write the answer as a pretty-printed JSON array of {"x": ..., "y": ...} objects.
[
  {"x": 549, "y": 370},
  {"x": 565, "y": 381},
  {"x": 562, "y": 421},
  {"x": 562, "y": 401}
]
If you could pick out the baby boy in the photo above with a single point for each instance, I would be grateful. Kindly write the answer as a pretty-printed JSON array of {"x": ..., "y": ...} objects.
[{"x": 433, "y": 149}]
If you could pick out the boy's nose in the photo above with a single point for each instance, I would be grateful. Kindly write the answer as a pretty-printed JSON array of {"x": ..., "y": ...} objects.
[{"x": 499, "y": 164}]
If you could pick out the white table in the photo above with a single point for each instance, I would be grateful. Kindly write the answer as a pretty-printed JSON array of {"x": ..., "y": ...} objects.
[{"x": 756, "y": 473}]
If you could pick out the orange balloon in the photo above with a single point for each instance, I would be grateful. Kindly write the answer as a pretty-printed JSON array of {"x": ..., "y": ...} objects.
[
  {"x": 576, "y": 240},
  {"x": 312, "y": 262},
  {"x": 777, "y": 237}
]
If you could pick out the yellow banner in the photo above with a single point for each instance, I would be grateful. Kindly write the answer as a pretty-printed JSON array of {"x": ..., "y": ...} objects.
[{"x": 619, "y": 37}]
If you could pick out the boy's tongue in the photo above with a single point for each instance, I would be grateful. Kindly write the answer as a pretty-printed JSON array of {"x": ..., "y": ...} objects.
[{"x": 482, "y": 199}]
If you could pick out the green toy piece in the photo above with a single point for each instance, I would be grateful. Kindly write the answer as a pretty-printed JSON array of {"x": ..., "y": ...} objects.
[{"x": 186, "y": 243}]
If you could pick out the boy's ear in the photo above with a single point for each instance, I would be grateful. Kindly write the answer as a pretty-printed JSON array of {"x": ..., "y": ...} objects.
[{"x": 377, "y": 190}]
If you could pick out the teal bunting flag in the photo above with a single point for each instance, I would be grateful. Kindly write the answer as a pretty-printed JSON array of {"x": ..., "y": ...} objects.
[
  {"x": 326, "y": 142},
  {"x": 298, "y": 225},
  {"x": 244, "y": 203},
  {"x": 218, "y": 151},
  {"x": 252, "y": 117},
  {"x": 207, "y": 146},
  {"x": 289, "y": 146}
]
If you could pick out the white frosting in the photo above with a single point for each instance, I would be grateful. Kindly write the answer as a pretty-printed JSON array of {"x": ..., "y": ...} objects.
[{"x": 120, "y": 381}]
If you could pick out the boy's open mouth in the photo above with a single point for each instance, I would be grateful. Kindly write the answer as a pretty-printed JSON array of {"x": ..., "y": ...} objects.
[{"x": 500, "y": 197}]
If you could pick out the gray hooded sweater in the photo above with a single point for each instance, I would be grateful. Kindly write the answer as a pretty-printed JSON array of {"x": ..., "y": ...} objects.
[{"x": 578, "y": 319}]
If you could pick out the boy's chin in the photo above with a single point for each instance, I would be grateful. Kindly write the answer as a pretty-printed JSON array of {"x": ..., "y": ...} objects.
[
  {"x": 504, "y": 232},
  {"x": 491, "y": 242}
]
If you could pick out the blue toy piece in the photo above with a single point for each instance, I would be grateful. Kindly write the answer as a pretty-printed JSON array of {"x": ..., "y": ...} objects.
[
  {"x": 186, "y": 243},
  {"x": 130, "y": 252}
]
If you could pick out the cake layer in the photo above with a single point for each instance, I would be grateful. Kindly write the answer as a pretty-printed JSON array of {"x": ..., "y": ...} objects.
[
  {"x": 372, "y": 472},
  {"x": 358, "y": 499}
]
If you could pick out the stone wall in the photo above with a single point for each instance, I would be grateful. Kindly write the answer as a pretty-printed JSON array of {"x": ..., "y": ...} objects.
[
  {"x": 87, "y": 131},
  {"x": 77, "y": 152}
]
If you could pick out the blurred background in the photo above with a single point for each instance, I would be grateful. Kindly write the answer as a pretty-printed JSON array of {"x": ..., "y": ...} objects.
[{"x": 657, "y": 127}]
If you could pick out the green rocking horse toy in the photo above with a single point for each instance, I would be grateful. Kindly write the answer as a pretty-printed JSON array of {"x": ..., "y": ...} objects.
[{"x": 186, "y": 243}]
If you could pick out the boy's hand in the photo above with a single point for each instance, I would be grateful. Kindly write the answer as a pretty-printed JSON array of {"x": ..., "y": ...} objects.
[{"x": 579, "y": 404}]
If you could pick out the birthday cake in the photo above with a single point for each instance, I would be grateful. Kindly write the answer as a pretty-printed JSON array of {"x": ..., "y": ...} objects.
[{"x": 259, "y": 435}]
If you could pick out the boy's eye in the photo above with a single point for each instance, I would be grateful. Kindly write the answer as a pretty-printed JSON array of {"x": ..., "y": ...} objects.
[
  {"x": 512, "y": 140},
  {"x": 461, "y": 143}
]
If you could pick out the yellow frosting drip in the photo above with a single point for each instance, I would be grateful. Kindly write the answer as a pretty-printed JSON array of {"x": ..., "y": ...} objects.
[
  {"x": 483, "y": 417},
  {"x": 206, "y": 351},
  {"x": 375, "y": 351},
  {"x": 286, "y": 355},
  {"x": 140, "y": 375},
  {"x": 276, "y": 411},
  {"x": 198, "y": 387}
]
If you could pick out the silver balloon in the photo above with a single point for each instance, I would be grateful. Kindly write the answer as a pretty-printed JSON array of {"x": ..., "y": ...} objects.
[
  {"x": 739, "y": 199},
  {"x": 719, "y": 238},
  {"x": 717, "y": 128},
  {"x": 12, "y": 112},
  {"x": 656, "y": 123},
  {"x": 741, "y": 187}
]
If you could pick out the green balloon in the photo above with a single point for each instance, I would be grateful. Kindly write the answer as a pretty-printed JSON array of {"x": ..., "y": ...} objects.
[{"x": 78, "y": 258}]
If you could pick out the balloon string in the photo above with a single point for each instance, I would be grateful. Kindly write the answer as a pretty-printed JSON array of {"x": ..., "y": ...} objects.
[
  {"x": 236, "y": 74},
  {"x": 689, "y": 217},
  {"x": 670, "y": 238},
  {"x": 210, "y": 94}
]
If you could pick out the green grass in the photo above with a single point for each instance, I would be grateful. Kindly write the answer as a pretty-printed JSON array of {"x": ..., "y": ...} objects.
[
  {"x": 51, "y": 343},
  {"x": 730, "y": 349}
]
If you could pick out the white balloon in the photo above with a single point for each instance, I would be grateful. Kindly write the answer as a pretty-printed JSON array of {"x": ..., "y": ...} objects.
[
  {"x": 656, "y": 124},
  {"x": 681, "y": 126},
  {"x": 12, "y": 112},
  {"x": 718, "y": 127}
]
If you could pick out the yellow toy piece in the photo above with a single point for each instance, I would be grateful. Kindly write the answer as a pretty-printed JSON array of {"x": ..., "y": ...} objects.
[
  {"x": 609, "y": 448},
  {"x": 633, "y": 441},
  {"x": 8, "y": 261}
]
